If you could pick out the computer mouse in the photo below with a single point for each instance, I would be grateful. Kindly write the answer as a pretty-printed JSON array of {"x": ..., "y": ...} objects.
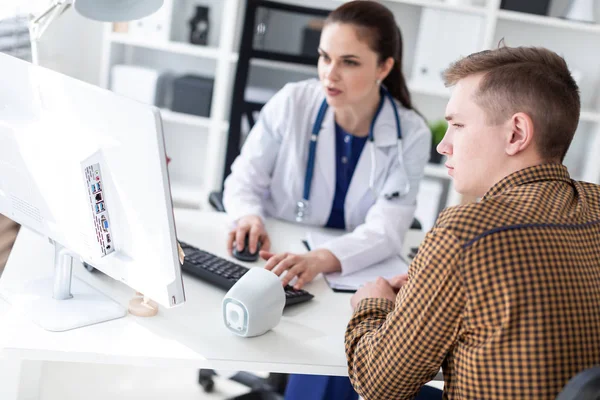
[{"x": 245, "y": 254}]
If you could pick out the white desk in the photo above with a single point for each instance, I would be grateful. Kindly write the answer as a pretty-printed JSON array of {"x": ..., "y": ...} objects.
[{"x": 309, "y": 338}]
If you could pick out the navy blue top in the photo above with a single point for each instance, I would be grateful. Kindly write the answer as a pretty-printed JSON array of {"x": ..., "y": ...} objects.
[{"x": 347, "y": 153}]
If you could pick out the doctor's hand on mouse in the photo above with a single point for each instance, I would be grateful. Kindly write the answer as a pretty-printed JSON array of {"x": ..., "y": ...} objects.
[
  {"x": 304, "y": 266},
  {"x": 253, "y": 226}
]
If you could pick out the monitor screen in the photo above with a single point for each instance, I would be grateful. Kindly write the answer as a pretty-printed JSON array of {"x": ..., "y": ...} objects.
[{"x": 87, "y": 168}]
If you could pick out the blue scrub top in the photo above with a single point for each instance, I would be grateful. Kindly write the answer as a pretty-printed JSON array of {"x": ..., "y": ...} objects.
[{"x": 347, "y": 152}]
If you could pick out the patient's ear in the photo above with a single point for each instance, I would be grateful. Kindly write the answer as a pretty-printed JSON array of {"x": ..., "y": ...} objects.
[{"x": 520, "y": 132}]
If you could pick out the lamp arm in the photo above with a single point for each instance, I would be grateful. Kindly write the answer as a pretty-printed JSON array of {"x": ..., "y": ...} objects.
[{"x": 39, "y": 24}]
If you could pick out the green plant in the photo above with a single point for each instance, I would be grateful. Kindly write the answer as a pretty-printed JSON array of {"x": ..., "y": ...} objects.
[{"x": 438, "y": 130}]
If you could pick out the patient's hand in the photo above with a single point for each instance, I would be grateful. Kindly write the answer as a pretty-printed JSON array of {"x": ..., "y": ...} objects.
[
  {"x": 380, "y": 289},
  {"x": 398, "y": 281},
  {"x": 304, "y": 266}
]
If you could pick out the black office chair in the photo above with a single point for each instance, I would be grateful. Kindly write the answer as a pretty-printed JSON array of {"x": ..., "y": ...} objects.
[
  {"x": 270, "y": 388},
  {"x": 583, "y": 386}
]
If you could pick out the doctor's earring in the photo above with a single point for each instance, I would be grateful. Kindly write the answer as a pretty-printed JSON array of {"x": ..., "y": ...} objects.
[{"x": 378, "y": 81}]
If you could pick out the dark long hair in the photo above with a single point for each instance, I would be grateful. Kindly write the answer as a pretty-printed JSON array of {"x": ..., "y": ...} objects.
[{"x": 377, "y": 25}]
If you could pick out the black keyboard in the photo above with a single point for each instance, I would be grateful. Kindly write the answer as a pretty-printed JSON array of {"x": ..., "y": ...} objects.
[{"x": 224, "y": 274}]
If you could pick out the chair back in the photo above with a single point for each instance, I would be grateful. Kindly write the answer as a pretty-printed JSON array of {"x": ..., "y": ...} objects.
[{"x": 583, "y": 386}]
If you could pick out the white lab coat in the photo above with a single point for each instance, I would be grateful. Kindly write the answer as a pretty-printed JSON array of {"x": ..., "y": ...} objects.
[{"x": 267, "y": 178}]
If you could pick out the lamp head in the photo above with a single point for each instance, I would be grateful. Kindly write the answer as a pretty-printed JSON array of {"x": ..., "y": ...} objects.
[{"x": 116, "y": 10}]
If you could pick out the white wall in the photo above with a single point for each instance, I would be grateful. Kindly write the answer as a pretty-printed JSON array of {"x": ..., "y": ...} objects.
[{"x": 73, "y": 45}]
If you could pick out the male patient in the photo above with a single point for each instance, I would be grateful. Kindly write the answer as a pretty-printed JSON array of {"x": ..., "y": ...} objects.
[{"x": 504, "y": 294}]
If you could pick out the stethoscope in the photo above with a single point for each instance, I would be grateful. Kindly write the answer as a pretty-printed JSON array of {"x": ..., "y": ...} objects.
[{"x": 302, "y": 206}]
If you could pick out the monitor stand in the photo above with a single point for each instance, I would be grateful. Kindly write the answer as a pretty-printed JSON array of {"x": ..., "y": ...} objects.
[{"x": 63, "y": 303}]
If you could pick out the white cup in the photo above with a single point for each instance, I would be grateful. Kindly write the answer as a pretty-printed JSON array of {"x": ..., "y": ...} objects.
[{"x": 254, "y": 305}]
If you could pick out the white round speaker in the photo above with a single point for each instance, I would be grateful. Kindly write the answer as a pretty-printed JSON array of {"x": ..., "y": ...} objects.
[{"x": 254, "y": 305}]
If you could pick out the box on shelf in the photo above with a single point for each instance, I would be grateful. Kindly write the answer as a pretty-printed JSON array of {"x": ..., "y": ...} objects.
[
  {"x": 199, "y": 26},
  {"x": 135, "y": 82},
  {"x": 539, "y": 7},
  {"x": 436, "y": 50},
  {"x": 120, "y": 27},
  {"x": 192, "y": 94}
]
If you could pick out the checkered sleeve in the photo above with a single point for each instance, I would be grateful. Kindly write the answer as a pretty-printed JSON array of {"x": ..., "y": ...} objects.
[{"x": 392, "y": 352}]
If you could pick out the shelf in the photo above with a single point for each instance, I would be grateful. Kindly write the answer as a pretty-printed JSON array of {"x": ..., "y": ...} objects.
[
  {"x": 188, "y": 195},
  {"x": 551, "y": 22},
  {"x": 442, "y": 5},
  {"x": 589, "y": 116},
  {"x": 189, "y": 119},
  {"x": 436, "y": 171},
  {"x": 439, "y": 4},
  {"x": 280, "y": 65},
  {"x": 307, "y": 69},
  {"x": 170, "y": 47}
]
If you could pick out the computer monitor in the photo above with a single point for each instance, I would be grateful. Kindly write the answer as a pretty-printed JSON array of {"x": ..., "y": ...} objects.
[{"x": 86, "y": 168}]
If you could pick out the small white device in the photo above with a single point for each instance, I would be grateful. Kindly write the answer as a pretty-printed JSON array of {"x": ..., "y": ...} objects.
[{"x": 254, "y": 305}]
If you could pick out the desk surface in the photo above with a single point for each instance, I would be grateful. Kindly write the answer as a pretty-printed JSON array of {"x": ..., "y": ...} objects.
[{"x": 309, "y": 338}]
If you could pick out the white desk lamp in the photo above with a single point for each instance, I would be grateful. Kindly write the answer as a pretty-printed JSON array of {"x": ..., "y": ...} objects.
[{"x": 99, "y": 10}]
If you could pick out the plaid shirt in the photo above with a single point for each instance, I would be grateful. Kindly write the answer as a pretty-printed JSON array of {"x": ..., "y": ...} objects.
[{"x": 504, "y": 295}]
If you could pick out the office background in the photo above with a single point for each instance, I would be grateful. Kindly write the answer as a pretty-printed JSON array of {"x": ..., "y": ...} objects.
[{"x": 435, "y": 32}]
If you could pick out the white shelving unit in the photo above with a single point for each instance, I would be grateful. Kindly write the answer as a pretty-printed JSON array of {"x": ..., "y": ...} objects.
[
  {"x": 197, "y": 144},
  {"x": 548, "y": 21},
  {"x": 166, "y": 46},
  {"x": 442, "y": 5}
]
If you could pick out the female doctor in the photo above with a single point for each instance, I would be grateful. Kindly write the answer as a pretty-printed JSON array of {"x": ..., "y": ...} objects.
[{"x": 346, "y": 151}]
